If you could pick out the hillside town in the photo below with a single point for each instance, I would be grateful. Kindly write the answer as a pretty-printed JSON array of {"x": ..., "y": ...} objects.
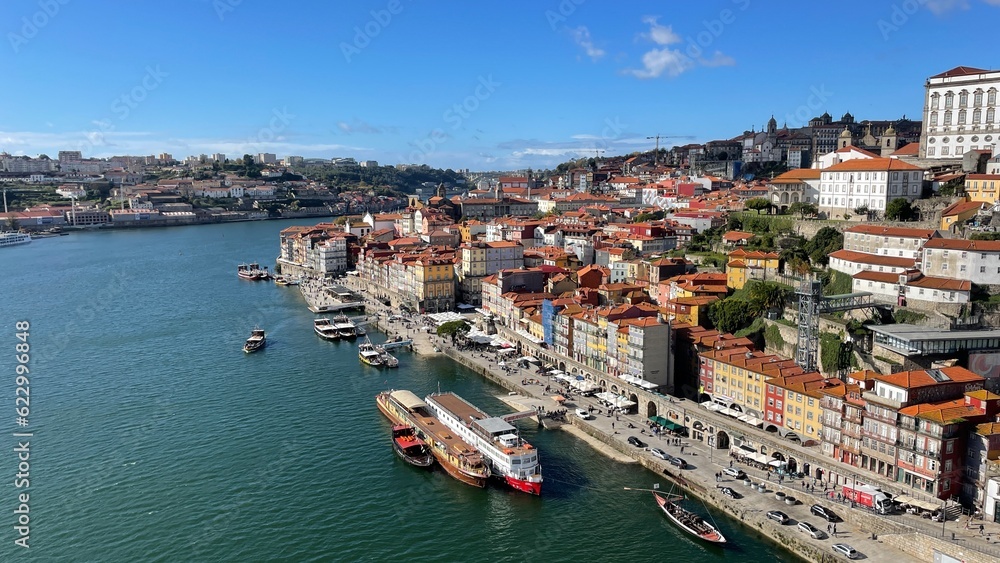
[{"x": 847, "y": 304}]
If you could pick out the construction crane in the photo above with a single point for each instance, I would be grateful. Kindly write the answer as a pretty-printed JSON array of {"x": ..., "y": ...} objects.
[{"x": 656, "y": 155}]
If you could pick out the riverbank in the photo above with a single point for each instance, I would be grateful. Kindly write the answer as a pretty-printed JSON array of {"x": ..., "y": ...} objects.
[{"x": 876, "y": 538}]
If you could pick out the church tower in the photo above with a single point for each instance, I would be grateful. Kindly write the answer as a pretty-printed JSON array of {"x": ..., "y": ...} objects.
[
  {"x": 888, "y": 142},
  {"x": 845, "y": 138}
]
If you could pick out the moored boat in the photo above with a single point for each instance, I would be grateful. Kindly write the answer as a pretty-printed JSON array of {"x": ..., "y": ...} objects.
[
  {"x": 456, "y": 456},
  {"x": 509, "y": 456},
  {"x": 410, "y": 447},
  {"x": 686, "y": 520},
  {"x": 253, "y": 272},
  {"x": 14, "y": 239},
  {"x": 368, "y": 354},
  {"x": 345, "y": 326},
  {"x": 256, "y": 341},
  {"x": 388, "y": 360},
  {"x": 325, "y": 329}
]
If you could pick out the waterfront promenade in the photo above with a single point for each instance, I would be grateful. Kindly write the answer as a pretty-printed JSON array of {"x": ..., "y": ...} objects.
[{"x": 608, "y": 435}]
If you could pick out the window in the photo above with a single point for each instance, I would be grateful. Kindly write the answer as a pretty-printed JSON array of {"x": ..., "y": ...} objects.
[
  {"x": 934, "y": 119},
  {"x": 991, "y": 98},
  {"x": 978, "y": 99},
  {"x": 961, "y": 117},
  {"x": 947, "y": 118},
  {"x": 990, "y": 114},
  {"x": 949, "y": 100},
  {"x": 963, "y": 99},
  {"x": 977, "y": 115}
]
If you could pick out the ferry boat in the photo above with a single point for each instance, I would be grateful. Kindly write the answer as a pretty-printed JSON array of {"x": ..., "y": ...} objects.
[
  {"x": 256, "y": 341},
  {"x": 458, "y": 458},
  {"x": 509, "y": 457},
  {"x": 345, "y": 326},
  {"x": 368, "y": 354},
  {"x": 253, "y": 272},
  {"x": 410, "y": 447},
  {"x": 325, "y": 329},
  {"x": 14, "y": 239},
  {"x": 686, "y": 520}
]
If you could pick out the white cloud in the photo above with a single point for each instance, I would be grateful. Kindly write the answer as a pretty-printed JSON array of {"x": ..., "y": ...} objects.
[
  {"x": 718, "y": 59},
  {"x": 672, "y": 62},
  {"x": 657, "y": 61},
  {"x": 941, "y": 6},
  {"x": 581, "y": 36},
  {"x": 660, "y": 34},
  {"x": 102, "y": 144}
]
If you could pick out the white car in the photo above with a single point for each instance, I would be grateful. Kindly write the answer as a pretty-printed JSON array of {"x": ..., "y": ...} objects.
[
  {"x": 845, "y": 550},
  {"x": 583, "y": 414},
  {"x": 657, "y": 452}
]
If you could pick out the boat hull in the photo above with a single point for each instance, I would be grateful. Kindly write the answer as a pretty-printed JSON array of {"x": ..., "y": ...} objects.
[
  {"x": 678, "y": 515},
  {"x": 253, "y": 347},
  {"x": 442, "y": 459},
  {"x": 326, "y": 335},
  {"x": 525, "y": 486}
]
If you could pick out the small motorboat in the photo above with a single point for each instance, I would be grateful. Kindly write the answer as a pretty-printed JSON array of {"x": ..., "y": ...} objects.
[{"x": 256, "y": 341}]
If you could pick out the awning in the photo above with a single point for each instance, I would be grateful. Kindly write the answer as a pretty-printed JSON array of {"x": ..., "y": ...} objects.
[
  {"x": 529, "y": 359},
  {"x": 922, "y": 504},
  {"x": 558, "y": 398},
  {"x": 673, "y": 426},
  {"x": 506, "y": 351},
  {"x": 775, "y": 463}
]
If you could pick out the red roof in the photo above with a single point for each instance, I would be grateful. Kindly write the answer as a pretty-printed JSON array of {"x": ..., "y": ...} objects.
[
  {"x": 733, "y": 236},
  {"x": 962, "y": 244},
  {"x": 911, "y": 149},
  {"x": 960, "y": 207},
  {"x": 868, "y": 164},
  {"x": 920, "y": 378},
  {"x": 875, "y": 259},
  {"x": 960, "y": 71},
  {"x": 881, "y": 231}
]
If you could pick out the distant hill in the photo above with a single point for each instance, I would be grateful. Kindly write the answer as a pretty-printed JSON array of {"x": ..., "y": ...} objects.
[{"x": 406, "y": 180}]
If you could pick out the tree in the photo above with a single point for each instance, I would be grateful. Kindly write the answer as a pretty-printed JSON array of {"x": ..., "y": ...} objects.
[
  {"x": 730, "y": 315},
  {"x": 12, "y": 224},
  {"x": 654, "y": 216},
  {"x": 453, "y": 329},
  {"x": 827, "y": 240},
  {"x": 802, "y": 209},
  {"x": 862, "y": 210},
  {"x": 766, "y": 296},
  {"x": 734, "y": 223},
  {"x": 757, "y": 204},
  {"x": 899, "y": 209}
]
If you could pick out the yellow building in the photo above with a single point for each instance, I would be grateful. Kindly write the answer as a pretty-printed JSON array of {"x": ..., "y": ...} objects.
[
  {"x": 959, "y": 212},
  {"x": 983, "y": 187},
  {"x": 744, "y": 266},
  {"x": 802, "y": 413},
  {"x": 434, "y": 282}
]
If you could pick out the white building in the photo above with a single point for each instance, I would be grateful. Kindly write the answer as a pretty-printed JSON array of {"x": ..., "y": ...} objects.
[
  {"x": 888, "y": 241},
  {"x": 851, "y": 262},
  {"x": 960, "y": 113},
  {"x": 368, "y": 164},
  {"x": 867, "y": 182},
  {"x": 267, "y": 158},
  {"x": 977, "y": 261}
]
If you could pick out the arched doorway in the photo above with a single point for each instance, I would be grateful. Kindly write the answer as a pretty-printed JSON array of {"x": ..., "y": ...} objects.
[
  {"x": 763, "y": 449},
  {"x": 604, "y": 384},
  {"x": 650, "y": 409},
  {"x": 614, "y": 388},
  {"x": 722, "y": 440},
  {"x": 771, "y": 428},
  {"x": 634, "y": 408},
  {"x": 704, "y": 397},
  {"x": 562, "y": 366},
  {"x": 698, "y": 431},
  {"x": 792, "y": 465}
]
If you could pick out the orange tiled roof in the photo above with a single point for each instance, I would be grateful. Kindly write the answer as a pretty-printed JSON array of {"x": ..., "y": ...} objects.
[
  {"x": 920, "y": 378},
  {"x": 868, "y": 164},
  {"x": 864, "y": 258},
  {"x": 881, "y": 231},
  {"x": 963, "y": 244}
]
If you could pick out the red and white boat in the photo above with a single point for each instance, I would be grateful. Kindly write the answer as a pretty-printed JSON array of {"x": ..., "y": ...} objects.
[
  {"x": 686, "y": 520},
  {"x": 509, "y": 457}
]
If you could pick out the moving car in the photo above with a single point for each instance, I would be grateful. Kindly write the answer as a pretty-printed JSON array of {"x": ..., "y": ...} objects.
[
  {"x": 735, "y": 473},
  {"x": 730, "y": 493},
  {"x": 636, "y": 442},
  {"x": 677, "y": 462},
  {"x": 778, "y": 516},
  {"x": 657, "y": 452},
  {"x": 845, "y": 550},
  {"x": 583, "y": 414},
  {"x": 824, "y": 512},
  {"x": 813, "y": 531}
]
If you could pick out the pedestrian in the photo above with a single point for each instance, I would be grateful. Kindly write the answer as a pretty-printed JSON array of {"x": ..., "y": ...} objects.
[
  {"x": 612, "y": 425},
  {"x": 730, "y": 463},
  {"x": 981, "y": 528},
  {"x": 834, "y": 528},
  {"x": 828, "y": 529}
]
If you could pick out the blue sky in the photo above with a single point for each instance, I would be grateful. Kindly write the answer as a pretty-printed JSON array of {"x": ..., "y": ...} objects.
[{"x": 484, "y": 85}]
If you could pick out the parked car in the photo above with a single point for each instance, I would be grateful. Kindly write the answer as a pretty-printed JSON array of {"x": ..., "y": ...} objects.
[
  {"x": 824, "y": 512},
  {"x": 657, "y": 452},
  {"x": 678, "y": 463},
  {"x": 583, "y": 414},
  {"x": 813, "y": 531},
  {"x": 735, "y": 473},
  {"x": 636, "y": 442},
  {"x": 846, "y": 550},
  {"x": 778, "y": 516},
  {"x": 730, "y": 493}
]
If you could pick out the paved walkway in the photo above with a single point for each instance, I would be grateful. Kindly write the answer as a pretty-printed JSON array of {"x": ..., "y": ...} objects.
[{"x": 705, "y": 462}]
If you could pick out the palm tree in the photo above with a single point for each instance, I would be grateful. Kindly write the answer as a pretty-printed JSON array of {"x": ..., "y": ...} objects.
[{"x": 766, "y": 296}]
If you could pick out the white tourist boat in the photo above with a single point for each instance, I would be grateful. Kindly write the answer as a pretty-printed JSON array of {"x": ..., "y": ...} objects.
[
  {"x": 508, "y": 456},
  {"x": 14, "y": 239}
]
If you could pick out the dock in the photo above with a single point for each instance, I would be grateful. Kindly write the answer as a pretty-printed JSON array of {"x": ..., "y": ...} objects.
[
  {"x": 397, "y": 344},
  {"x": 333, "y": 308}
]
